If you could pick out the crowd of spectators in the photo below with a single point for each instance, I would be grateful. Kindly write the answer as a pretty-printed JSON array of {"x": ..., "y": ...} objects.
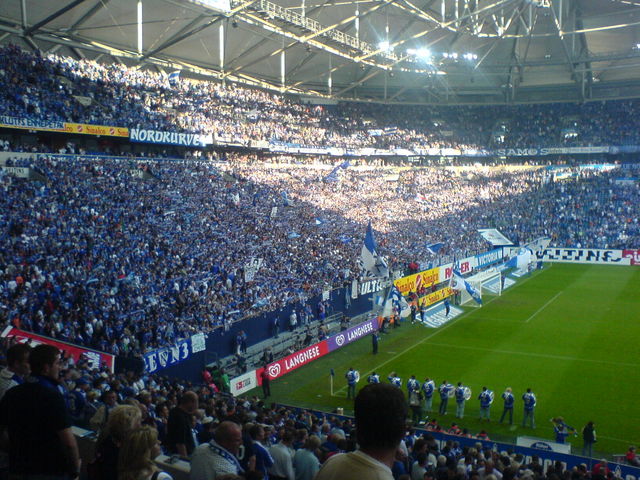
[
  {"x": 149, "y": 414},
  {"x": 49, "y": 87},
  {"x": 99, "y": 257}
]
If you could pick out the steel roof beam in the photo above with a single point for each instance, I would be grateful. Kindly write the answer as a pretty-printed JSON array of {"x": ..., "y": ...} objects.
[
  {"x": 52, "y": 17},
  {"x": 100, "y": 4},
  {"x": 587, "y": 76},
  {"x": 301, "y": 40}
]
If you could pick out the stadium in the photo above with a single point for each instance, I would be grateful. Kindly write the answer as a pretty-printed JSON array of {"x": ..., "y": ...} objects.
[{"x": 222, "y": 220}]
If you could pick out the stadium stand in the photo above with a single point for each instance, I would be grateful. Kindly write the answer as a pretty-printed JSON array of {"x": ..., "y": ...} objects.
[
  {"x": 128, "y": 256},
  {"x": 48, "y": 87},
  {"x": 129, "y": 265}
]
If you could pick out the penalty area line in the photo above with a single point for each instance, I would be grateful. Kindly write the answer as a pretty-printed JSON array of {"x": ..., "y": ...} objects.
[{"x": 543, "y": 307}]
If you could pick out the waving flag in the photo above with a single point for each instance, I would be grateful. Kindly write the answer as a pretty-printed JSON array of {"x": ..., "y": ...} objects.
[
  {"x": 434, "y": 248},
  {"x": 174, "y": 77},
  {"x": 333, "y": 176},
  {"x": 371, "y": 261},
  {"x": 458, "y": 283},
  {"x": 399, "y": 302}
]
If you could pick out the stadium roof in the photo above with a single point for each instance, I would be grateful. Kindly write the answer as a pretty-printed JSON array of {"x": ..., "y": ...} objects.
[{"x": 431, "y": 51}]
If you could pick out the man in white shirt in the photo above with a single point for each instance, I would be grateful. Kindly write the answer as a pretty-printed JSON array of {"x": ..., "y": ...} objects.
[
  {"x": 305, "y": 462},
  {"x": 282, "y": 453},
  {"x": 218, "y": 457}
]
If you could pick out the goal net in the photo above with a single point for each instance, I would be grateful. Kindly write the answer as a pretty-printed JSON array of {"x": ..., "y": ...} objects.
[{"x": 488, "y": 282}]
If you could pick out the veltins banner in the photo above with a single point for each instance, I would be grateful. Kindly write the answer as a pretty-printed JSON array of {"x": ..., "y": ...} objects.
[{"x": 584, "y": 255}]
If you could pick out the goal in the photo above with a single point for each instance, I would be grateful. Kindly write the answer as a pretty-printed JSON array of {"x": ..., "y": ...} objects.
[{"x": 487, "y": 282}]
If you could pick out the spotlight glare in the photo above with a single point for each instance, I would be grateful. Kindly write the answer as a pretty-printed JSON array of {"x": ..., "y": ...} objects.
[
  {"x": 385, "y": 46},
  {"x": 423, "y": 53}
]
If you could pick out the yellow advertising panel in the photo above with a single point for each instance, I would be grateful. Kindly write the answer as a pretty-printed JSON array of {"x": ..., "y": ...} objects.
[
  {"x": 415, "y": 282},
  {"x": 435, "y": 297},
  {"x": 105, "y": 130}
]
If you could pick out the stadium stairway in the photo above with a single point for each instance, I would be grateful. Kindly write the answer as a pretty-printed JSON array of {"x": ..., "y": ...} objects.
[{"x": 280, "y": 345}]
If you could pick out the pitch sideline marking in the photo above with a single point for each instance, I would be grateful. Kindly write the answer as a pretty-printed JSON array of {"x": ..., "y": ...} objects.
[
  {"x": 441, "y": 329},
  {"x": 544, "y": 306}
]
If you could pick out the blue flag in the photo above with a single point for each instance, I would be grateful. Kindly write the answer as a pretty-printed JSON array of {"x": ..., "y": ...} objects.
[
  {"x": 458, "y": 283},
  {"x": 371, "y": 261},
  {"x": 174, "y": 77},
  {"x": 434, "y": 248},
  {"x": 333, "y": 176}
]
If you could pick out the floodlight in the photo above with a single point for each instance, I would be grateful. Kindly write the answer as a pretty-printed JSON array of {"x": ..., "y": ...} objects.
[
  {"x": 384, "y": 45},
  {"x": 423, "y": 53}
]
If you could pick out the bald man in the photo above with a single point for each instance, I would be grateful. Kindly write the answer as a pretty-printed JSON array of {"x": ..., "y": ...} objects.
[{"x": 218, "y": 457}]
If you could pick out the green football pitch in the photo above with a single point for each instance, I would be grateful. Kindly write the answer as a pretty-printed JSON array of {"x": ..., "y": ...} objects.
[{"x": 569, "y": 332}]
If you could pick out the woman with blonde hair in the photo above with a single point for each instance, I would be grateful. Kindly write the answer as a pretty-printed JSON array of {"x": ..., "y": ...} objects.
[
  {"x": 123, "y": 419},
  {"x": 138, "y": 451}
]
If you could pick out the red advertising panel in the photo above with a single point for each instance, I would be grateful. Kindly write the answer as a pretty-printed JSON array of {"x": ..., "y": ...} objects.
[
  {"x": 94, "y": 357},
  {"x": 287, "y": 364},
  {"x": 632, "y": 255}
]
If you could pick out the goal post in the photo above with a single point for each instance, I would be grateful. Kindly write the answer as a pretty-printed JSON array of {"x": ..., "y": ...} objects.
[{"x": 487, "y": 282}]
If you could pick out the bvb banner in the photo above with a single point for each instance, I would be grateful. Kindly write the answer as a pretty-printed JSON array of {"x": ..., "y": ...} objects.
[{"x": 415, "y": 282}]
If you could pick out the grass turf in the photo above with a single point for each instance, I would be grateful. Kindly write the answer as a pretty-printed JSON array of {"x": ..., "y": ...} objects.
[{"x": 570, "y": 332}]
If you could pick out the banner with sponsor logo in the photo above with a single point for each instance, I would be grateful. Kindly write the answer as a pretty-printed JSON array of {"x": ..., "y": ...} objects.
[
  {"x": 181, "y": 350},
  {"x": 244, "y": 383},
  {"x": 20, "y": 172},
  {"x": 632, "y": 255},
  {"x": 543, "y": 444},
  {"x": 31, "y": 124},
  {"x": 583, "y": 255},
  {"x": 370, "y": 286},
  {"x": 350, "y": 335},
  {"x": 415, "y": 282},
  {"x": 483, "y": 260},
  {"x": 435, "y": 297},
  {"x": 295, "y": 360},
  {"x": 94, "y": 357},
  {"x": 169, "y": 138},
  {"x": 277, "y": 369},
  {"x": 104, "y": 130}
]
